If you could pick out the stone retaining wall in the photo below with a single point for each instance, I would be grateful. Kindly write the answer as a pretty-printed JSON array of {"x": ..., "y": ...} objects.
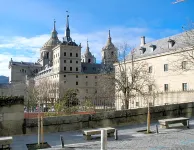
[
  {"x": 11, "y": 119},
  {"x": 111, "y": 118}
]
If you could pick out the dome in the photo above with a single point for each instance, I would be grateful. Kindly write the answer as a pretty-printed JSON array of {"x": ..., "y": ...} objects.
[{"x": 53, "y": 41}]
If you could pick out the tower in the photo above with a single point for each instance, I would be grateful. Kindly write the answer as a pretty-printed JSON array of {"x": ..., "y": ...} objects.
[
  {"x": 109, "y": 53},
  {"x": 46, "y": 53},
  {"x": 87, "y": 57}
]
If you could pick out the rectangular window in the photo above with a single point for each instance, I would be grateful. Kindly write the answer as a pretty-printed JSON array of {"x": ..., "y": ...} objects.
[
  {"x": 64, "y": 53},
  {"x": 150, "y": 88},
  {"x": 137, "y": 104},
  {"x": 95, "y": 77},
  {"x": 184, "y": 65},
  {"x": 76, "y": 76},
  {"x": 150, "y": 69},
  {"x": 76, "y": 62},
  {"x": 86, "y": 83},
  {"x": 64, "y": 61},
  {"x": 184, "y": 86},
  {"x": 70, "y": 61},
  {"x": 165, "y": 87},
  {"x": 86, "y": 76},
  {"x": 76, "y": 82},
  {"x": 70, "y": 68},
  {"x": 95, "y": 83},
  {"x": 70, "y": 54},
  {"x": 64, "y": 75},
  {"x": 76, "y": 54},
  {"x": 165, "y": 67},
  {"x": 76, "y": 68},
  {"x": 64, "y": 68},
  {"x": 86, "y": 90}
]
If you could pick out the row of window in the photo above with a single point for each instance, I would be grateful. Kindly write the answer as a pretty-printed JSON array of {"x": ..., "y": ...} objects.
[
  {"x": 183, "y": 66},
  {"x": 85, "y": 83},
  {"x": 70, "y": 54},
  {"x": 86, "y": 76},
  {"x": 166, "y": 87},
  {"x": 65, "y": 54},
  {"x": 70, "y": 68},
  {"x": 65, "y": 61}
]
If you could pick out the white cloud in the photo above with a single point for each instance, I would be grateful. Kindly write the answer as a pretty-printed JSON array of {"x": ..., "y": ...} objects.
[{"x": 97, "y": 40}]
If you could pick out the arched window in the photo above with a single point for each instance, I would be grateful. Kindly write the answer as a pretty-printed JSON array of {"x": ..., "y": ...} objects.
[
  {"x": 89, "y": 60},
  {"x": 112, "y": 53}
]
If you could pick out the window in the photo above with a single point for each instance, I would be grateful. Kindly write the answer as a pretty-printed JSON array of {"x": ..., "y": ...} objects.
[
  {"x": 86, "y": 76},
  {"x": 76, "y": 82},
  {"x": 86, "y": 83},
  {"x": 95, "y": 91},
  {"x": 95, "y": 77},
  {"x": 70, "y": 68},
  {"x": 76, "y": 68},
  {"x": 64, "y": 53},
  {"x": 70, "y": 61},
  {"x": 184, "y": 65},
  {"x": 150, "y": 69},
  {"x": 95, "y": 83},
  {"x": 89, "y": 60},
  {"x": 165, "y": 87},
  {"x": 94, "y": 68},
  {"x": 76, "y": 76},
  {"x": 64, "y": 61},
  {"x": 137, "y": 104},
  {"x": 76, "y": 54},
  {"x": 165, "y": 67},
  {"x": 64, "y": 75},
  {"x": 64, "y": 68},
  {"x": 184, "y": 86},
  {"x": 112, "y": 53},
  {"x": 171, "y": 43},
  {"x": 64, "y": 81},
  {"x": 76, "y": 62},
  {"x": 150, "y": 88},
  {"x": 84, "y": 68},
  {"x": 22, "y": 70},
  {"x": 86, "y": 90},
  {"x": 70, "y": 54}
]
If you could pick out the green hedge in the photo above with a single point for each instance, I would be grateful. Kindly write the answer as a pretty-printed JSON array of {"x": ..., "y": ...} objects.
[{"x": 11, "y": 100}]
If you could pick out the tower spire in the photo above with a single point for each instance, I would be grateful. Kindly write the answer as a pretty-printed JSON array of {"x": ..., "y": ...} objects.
[
  {"x": 54, "y": 28},
  {"x": 67, "y": 31},
  {"x": 87, "y": 48},
  {"x": 109, "y": 37},
  {"x": 54, "y": 32}
]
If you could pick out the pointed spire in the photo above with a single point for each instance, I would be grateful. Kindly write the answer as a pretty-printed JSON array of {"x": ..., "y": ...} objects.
[
  {"x": 54, "y": 28},
  {"x": 54, "y": 32},
  {"x": 67, "y": 31},
  {"x": 87, "y": 48},
  {"x": 109, "y": 37}
]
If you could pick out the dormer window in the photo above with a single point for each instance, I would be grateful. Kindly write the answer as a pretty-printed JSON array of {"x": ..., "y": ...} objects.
[
  {"x": 171, "y": 43},
  {"x": 152, "y": 47},
  {"x": 142, "y": 50}
]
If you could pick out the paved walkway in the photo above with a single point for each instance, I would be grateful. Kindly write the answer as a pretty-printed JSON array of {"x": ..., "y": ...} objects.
[{"x": 129, "y": 139}]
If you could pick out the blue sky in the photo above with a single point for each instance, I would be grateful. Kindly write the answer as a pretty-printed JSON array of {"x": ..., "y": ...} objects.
[{"x": 26, "y": 25}]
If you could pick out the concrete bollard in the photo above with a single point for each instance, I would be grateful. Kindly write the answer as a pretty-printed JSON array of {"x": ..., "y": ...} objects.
[
  {"x": 62, "y": 141},
  {"x": 103, "y": 139},
  {"x": 156, "y": 128},
  {"x": 116, "y": 134}
]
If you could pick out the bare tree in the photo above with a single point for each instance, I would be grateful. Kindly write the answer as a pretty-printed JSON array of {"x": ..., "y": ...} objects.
[
  {"x": 131, "y": 76},
  {"x": 183, "y": 50}
]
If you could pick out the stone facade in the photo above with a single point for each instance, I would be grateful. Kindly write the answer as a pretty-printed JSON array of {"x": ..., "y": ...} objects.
[
  {"x": 61, "y": 62},
  {"x": 170, "y": 64}
]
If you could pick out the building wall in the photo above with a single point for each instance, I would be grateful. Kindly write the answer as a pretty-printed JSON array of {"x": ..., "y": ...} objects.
[{"x": 174, "y": 77}]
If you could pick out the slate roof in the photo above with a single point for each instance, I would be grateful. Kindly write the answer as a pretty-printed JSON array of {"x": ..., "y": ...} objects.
[
  {"x": 25, "y": 64},
  {"x": 184, "y": 39},
  {"x": 89, "y": 68}
]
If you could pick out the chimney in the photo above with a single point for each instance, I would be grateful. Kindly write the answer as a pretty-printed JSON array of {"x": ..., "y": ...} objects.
[{"x": 142, "y": 41}]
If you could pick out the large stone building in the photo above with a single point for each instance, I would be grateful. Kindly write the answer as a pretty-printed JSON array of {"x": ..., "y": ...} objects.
[
  {"x": 170, "y": 63},
  {"x": 62, "y": 64}
]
